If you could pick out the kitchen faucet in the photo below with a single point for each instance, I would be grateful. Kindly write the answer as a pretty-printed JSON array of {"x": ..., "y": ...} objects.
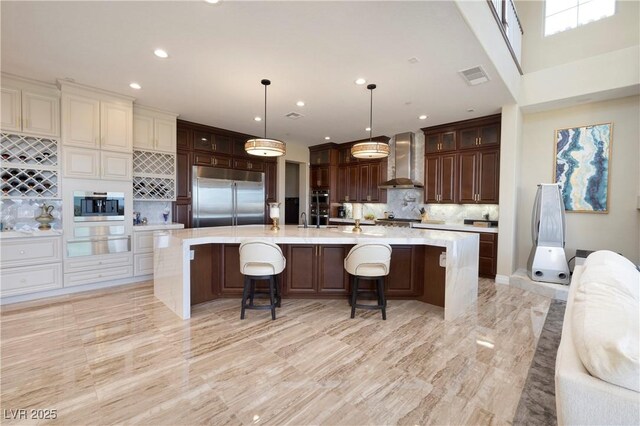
[{"x": 303, "y": 215}]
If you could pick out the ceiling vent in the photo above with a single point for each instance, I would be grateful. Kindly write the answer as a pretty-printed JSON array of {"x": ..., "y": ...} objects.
[
  {"x": 293, "y": 115},
  {"x": 475, "y": 75}
]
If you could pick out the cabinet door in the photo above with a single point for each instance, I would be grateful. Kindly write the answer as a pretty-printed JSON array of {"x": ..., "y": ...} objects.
[
  {"x": 40, "y": 114},
  {"x": 205, "y": 272},
  {"x": 431, "y": 178},
  {"x": 344, "y": 156},
  {"x": 164, "y": 131},
  {"x": 232, "y": 281},
  {"x": 116, "y": 165},
  {"x": 183, "y": 174},
  {"x": 488, "y": 176},
  {"x": 11, "y": 109},
  {"x": 301, "y": 269},
  {"x": 405, "y": 271},
  {"x": 342, "y": 184},
  {"x": 353, "y": 179},
  {"x": 237, "y": 147},
  {"x": 223, "y": 144},
  {"x": 182, "y": 212},
  {"x": 364, "y": 189},
  {"x": 320, "y": 157},
  {"x": 447, "y": 175},
  {"x": 271, "y": 181},
  {"x": 377, "y": 174},
  {"x": 332, "y": 278},
  {"x": 468, "y": 171},
  {"x": 81, "y": 163},
  {"x": 319, "y": 177},
  {"x": 115, "y": 127},
  {"x": 448, "y": 141},
  {"x": 183, "y": 138},
  {"x": 80, "y": 121},
  {"x": 489, "y": 135},
  {"x": 468, "y": 137},
  {"x": 203, "y": 141},
  {"x": 431, "y": 142},
  {"x": 142, "y": 132},
  {"x": 487, "y": 256}
]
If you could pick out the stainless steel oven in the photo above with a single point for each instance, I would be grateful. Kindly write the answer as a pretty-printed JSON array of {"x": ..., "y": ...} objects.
[{"x": 98, "y": 206}]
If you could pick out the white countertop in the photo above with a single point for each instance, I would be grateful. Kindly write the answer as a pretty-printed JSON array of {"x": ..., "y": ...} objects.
[
  {"x": 441, "y": 226},
  {"x": 292, "y": 234},
  {"x": 157, "y": 226},
  {"x": 30, "y": 234},
  {"x": 455, "y": 227}
]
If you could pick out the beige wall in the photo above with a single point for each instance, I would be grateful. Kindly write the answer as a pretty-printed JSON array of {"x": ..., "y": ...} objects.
[
  {"x": 616, "y": 32},
  {"x": 619, "y": 230}
]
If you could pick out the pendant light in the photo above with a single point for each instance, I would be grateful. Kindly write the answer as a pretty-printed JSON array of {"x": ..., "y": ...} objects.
[
  {"x": 265, "y": 147},
  {"x": 370, "y": 149}
]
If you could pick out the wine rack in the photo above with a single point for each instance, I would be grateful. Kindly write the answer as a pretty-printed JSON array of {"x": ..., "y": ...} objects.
[
  {"x": 154, "y": 176},
  {"x": 29, "y": 167}
]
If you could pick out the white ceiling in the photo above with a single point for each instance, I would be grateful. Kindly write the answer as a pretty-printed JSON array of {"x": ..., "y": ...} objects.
[{"x": 311, "y": 51}]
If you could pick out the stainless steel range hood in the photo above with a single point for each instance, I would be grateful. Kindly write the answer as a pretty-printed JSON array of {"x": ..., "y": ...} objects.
[{"x": 403, "y": 158}]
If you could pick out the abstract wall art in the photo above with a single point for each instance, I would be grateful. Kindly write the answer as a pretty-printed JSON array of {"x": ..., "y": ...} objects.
[{"x": 582, "y": 165}]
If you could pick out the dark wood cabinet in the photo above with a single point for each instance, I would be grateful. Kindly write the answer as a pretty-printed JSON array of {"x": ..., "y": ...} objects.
[
  {"x": 320, "y": 156},
  {"x": 313, "y": 270},
  {"x": 182, "y": 212},
  {"x": 271, "y": 181},
  {"x": 184, "y": 139},
  {"x": 301, "y": 269},
  {"x": 201, "y": 159},
  {"x": 440, "y": 172},
  {"x": 332, "y": 277},
  {"x": 231, "y": 280},
  {"x": 205, "y": 270},
  {"x": 183, "y": 174},
  {"x": 406, "y": 271},
  {"x": 359, "y": 182},
  {"x": 320, "y": 177},
  {"x": 479, "y": 136},
  {"x": 345, "y": 157},
  {"x": 211, "y": 142},
  {"x": 479, "y": 178},
  {"x": 488, "y": 258},
  {"x": 440, "y": 142},
  {"x": 348, "y": 183},
  {"x": 246, "y": 164}
]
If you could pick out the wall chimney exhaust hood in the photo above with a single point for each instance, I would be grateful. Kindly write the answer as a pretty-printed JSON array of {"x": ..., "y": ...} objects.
[{"x": 402, "y": 148}]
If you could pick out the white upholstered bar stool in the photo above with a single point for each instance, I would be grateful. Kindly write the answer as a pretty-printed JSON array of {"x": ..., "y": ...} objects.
[
  {"x": 261, "y": 261},
  {"x": 369, "y": 261}
]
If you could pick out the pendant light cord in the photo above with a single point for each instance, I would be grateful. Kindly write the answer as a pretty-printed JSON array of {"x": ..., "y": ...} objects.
[
  {"x": 371, "y": 115},
  {"x": 265, "y": 111}
]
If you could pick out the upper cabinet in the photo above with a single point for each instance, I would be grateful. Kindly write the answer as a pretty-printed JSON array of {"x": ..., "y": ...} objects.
[
  {"x": 92, "y": 118},
  {"x": 154, "y": 130},
  {"x": 440, "y": 142},
  {"x": 31, "y": 108},
  {"x": 479, "y": 136}
]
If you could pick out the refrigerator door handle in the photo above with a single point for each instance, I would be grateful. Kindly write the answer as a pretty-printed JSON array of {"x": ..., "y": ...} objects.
[{"x": 234, "y": 195}]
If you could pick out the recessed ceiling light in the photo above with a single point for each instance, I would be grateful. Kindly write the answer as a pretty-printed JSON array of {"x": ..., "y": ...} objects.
[
  {"x": 212, "y": 1},
  {"x": 257, "y": 118},
  {"x": 360, "y": 81},
  {"x": 423, "y": 117},
  {"x": 326, "y": 138},
  {"x": 135, "y": 85},
  {"x": 367, "y": 129},
  {"x": 160, "y": 53},
  {"x": 300, "y": 103}
]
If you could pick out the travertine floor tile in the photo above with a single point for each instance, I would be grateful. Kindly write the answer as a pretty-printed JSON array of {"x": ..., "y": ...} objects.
[{"x": 119, "y": 356}]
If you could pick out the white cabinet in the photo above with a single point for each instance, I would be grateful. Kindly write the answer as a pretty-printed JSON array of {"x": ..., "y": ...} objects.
[
  {"x": 94, "y": 269},
  {"x": 28, "y": 109},
  {"x": 143, "y": 264},
  {"x": 95, "y": 164},
  {"x": 94, "y": 118},
  {"x": 80, "y": 121},
  {"x": 29, "y": 265},
  {"x": 154, "y": 130}
]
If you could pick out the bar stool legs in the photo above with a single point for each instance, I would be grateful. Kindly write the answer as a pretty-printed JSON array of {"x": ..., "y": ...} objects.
[
  {"x": 249, "y": 291},
  {"x": 382, "y": 300}
]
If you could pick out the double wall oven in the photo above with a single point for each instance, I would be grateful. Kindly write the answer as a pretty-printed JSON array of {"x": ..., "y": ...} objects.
[{"x": 99, "y": 224}]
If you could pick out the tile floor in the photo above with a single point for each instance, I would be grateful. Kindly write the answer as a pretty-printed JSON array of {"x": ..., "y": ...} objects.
[{"x": 120, "y": 356}]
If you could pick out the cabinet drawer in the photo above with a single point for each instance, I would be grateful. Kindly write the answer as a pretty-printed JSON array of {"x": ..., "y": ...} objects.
[
  {"x": 96, "y": 276},
  {"x": 143, "y": 264},
  {"x": 486, "y": 248},
  {"x": 30, "y": 279},
  {"x": 241, "y": 164},
  {"x": 30, "y": 252},
  {"x": 143, "y": 242},
  {"x": 211, "y": 160},
  {"x": 94, "y": 264}
]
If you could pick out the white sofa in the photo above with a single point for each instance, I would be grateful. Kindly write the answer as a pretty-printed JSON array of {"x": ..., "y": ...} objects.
[{"x": 586, "y": 391}]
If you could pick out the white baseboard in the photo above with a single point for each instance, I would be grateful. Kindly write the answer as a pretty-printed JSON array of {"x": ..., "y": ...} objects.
[
  {"x": 502, "y": 279},
  {"x": 74, "y": 289}
]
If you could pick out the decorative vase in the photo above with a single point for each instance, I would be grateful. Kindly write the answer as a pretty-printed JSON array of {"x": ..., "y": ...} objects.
[{"x": 45, "y": 218}]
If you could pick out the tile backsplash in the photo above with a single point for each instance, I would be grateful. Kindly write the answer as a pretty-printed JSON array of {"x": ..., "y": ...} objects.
[
  {"x": 152, "y": 210},
  {"x": 21, "y": 214}
]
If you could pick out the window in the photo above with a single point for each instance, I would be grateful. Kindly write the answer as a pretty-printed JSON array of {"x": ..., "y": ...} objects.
[{"x": 562, "y": 15}]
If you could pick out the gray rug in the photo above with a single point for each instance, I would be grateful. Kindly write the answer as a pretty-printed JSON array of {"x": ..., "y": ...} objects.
[{"x": 537, "y": 404}]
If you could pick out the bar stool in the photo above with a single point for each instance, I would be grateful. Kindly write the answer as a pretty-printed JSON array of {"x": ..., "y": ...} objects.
[
  {"x": 369, "y": 261},
  {"x": 260, "y": 261}
]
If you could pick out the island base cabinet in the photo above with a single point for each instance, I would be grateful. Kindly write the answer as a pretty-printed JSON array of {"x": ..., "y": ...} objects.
[{"x": 317, "y": 271}]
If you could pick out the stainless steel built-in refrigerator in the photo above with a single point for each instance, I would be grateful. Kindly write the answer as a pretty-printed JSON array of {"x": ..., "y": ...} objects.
[{"x": 224, "y": 197}]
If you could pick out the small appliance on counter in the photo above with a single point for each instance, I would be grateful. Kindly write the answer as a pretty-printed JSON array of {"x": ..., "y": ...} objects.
[{"x": 342, "y": 212}]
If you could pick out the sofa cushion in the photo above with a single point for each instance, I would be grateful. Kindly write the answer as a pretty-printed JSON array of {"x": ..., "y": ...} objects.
[{"x": 606, "y": 325}]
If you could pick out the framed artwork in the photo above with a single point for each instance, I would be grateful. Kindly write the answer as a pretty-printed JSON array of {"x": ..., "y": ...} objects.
[{"x": 582, "y": 164}]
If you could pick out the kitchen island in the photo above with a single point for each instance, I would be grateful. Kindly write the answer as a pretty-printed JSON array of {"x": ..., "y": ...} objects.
[{"x": 455, "y": 255}]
